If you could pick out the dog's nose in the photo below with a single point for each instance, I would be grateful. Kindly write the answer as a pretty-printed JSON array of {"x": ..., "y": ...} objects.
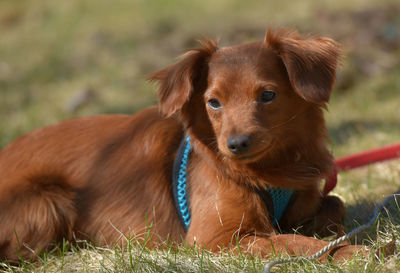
[{"x": 239, "y": 144}]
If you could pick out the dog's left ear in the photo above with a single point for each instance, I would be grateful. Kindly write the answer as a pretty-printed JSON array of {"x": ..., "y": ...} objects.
[
  {"x": 177, "y": 82},
  {"x": 310, "y": 63}
]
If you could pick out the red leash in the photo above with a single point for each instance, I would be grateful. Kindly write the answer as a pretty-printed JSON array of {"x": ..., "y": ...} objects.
[{"x": 359, "y": 160}]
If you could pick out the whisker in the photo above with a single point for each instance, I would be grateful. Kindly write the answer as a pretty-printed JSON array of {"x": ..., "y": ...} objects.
[{"x": 285, "y": 122}]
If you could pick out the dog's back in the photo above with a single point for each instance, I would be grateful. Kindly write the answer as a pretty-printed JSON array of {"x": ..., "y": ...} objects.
[{"x": 90, "y": 177}]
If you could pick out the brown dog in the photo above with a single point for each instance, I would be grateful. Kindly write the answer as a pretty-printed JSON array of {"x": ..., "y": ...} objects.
[{"x": 255, "y": 117}]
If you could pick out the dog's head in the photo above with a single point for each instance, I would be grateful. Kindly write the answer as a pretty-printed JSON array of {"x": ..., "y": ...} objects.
[{"x": 245, "y": 102}]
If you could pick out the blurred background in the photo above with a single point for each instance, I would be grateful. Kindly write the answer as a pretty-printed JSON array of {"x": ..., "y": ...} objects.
[{"x": 60, "y": 59}]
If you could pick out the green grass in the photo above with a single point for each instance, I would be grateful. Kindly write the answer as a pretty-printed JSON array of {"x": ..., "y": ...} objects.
[
  {"x": 136, "y": 258},
  {"x": 54, "y": 52}
]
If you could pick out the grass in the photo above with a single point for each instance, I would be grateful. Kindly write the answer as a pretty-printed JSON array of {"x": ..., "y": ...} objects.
[
  {"x": 60, "y": 59},
  {"x": 136, "y": 258}
]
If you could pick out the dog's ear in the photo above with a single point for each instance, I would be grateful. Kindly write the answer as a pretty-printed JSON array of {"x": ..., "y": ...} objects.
[
  {"x": 310, "y": 63},
  {"x": 177, "y": 82}
]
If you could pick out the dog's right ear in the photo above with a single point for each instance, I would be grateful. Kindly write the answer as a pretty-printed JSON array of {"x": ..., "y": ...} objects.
[{"x": 177, "y": 82}]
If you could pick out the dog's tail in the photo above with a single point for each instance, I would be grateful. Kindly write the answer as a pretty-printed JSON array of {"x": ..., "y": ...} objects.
[{"x": 35, "y": 211}]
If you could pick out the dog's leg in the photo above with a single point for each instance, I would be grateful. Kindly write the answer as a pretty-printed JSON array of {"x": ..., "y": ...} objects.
[
  {"x": 33, "y": 215},
  {"x": 327, "y": 220},
  {"x": 297, "y": 245},
  {"x": 330, "y": 216}
]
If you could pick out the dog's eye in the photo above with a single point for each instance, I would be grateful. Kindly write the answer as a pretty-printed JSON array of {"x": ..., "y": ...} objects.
[
  {"x": 214, "y": 104},
  {"x": 267, "y": 96}
]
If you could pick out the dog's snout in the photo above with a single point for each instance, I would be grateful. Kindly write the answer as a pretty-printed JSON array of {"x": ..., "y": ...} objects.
[{"x": 239, "y": 144}]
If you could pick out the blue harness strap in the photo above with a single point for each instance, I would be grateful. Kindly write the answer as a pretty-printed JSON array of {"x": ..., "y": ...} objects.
[
  {"x": 280, "y": 200},
  {"x": 277, "y": 200},
  {"x": 179, "y": 182}
]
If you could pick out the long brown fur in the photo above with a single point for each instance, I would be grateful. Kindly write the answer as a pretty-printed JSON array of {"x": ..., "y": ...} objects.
[{"x": 98, "y": 177}]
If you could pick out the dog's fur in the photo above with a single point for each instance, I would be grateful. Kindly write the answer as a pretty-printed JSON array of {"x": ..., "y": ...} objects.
[{"x": 98, "y": 177}]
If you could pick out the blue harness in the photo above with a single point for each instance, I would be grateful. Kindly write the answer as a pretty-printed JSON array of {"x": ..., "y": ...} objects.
[{"x": 277, "y": 200}]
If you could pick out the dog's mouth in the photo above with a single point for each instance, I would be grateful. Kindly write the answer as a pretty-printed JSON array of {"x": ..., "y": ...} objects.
[{"x": 250, "y": 157}]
